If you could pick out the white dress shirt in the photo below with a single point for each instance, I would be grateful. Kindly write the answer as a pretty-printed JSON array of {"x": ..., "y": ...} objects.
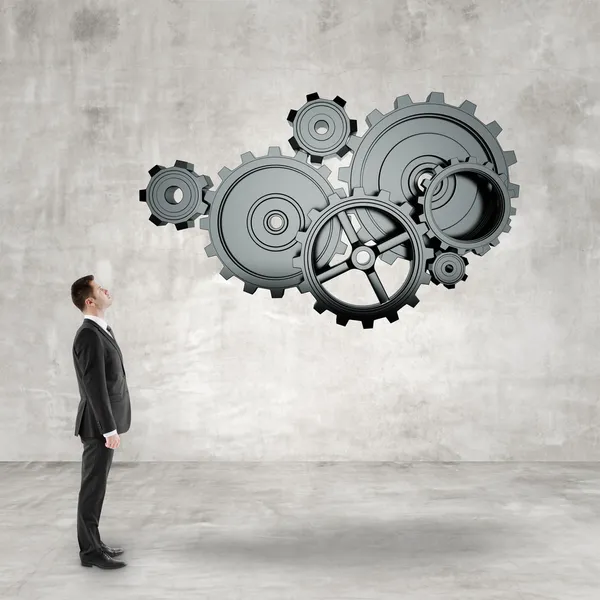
[{"x": 104, "y": 326}]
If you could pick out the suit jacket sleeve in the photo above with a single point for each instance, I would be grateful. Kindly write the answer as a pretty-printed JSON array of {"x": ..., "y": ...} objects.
[{"x": 91, "y": 360}]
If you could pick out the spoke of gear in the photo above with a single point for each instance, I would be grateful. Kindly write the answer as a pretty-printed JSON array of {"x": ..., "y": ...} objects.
[
  {"x": 321, "y": 128},
  {"x": 490, "y": 208},
  {"x": 447, "y": 269},
  {"x": 164, "y": 186},
  {"x": 401, "y": 149},
  {"x": 257, "y": 211},
  {"x": 407, "y": 231}
]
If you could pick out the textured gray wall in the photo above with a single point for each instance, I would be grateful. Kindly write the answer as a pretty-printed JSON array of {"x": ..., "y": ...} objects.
[{"x": 94, "y": 94}]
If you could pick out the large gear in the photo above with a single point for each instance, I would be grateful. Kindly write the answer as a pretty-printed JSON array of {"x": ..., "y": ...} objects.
[
  {"x": 161, "y": 191},
  {"x": 490, "y": 211},
  {"x": 401, "y": 149},
  {"x": 407, "y": 230},
  {"x": 256, "y": 212},
  {"x": 321, "y": 128},
  {"x": 447, "y": 269}
]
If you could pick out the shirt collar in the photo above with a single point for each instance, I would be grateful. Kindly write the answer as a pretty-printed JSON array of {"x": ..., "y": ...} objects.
[{"x": 98, "y": 320}]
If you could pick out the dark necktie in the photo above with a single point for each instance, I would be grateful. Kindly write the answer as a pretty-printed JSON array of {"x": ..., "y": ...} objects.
[{"x": 108, "y": 328}]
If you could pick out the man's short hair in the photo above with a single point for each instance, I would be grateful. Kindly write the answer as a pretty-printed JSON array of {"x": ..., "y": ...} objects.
[{"x": 81, "y": 290}]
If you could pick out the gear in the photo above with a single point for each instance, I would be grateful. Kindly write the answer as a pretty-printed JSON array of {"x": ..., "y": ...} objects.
[
  {"x": 256, "y": 212},
  {"x": 448, "y": 268},
  {"x": 401, "y": 149},
  {"x": 321, "y": 128},
  {"x": 161, "y": 191},
  {"x": 490, "y": 211},
  {"x": 407, "y": 230}
]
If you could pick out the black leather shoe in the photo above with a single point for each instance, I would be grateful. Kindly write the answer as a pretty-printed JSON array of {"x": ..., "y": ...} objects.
[
  {"x": 112, "y": 552},
  {"x": 102, "y": 561}
]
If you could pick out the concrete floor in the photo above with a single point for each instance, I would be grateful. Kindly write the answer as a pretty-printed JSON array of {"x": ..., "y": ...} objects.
[{"x": 327, "y": 531}]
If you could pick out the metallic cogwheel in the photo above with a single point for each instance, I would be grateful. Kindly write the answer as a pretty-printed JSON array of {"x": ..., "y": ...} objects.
[
  {"x": 401, "y": 149},
  {"x": 321, "y": 128},
  {"x": 256, "y": 212},
  {"x": 493, "y": 203},
  {"x": 160, "y": 195},
  {"x": 448, "y": 268},
  {"x": 363, "y": 257}
]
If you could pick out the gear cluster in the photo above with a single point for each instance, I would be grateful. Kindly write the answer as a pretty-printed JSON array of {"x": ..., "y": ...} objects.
[{"x": 427, "y": 183}]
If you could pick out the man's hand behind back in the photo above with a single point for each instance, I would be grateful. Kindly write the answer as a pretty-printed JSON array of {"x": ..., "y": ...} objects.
[{"x": 113, "y": 441}]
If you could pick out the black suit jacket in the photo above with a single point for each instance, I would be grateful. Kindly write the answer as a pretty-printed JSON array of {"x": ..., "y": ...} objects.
[{"x": 105, "y": 404}]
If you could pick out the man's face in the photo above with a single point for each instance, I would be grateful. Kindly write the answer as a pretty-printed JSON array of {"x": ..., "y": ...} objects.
[{"x": 101, "y": 297}]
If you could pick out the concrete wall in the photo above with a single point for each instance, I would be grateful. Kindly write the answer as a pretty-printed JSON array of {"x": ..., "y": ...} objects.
[{"x": 95, "y": 93}]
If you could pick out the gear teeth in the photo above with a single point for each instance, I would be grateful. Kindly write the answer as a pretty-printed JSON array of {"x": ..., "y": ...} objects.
[
  {"x": 344, "y": 174},
  {"x": 422, "y": 228},
  {"x": 413, "y": 301},
  {"x": 384, "y": 195},
  {"x": 155, "y": 169},
  {"x": 209, "y": 196},
  {"x": 339, "y": 101},
  {"x": 464, "y": 277},
  {"x": 204, "y": 181},
  {"x": 453, "y": 161},
  {"x": 506, "y": 230},
  {"x": 297, "y": 262},
  {"x": 449, "y": 286},
  {"x": 313, "y": 214},
  {"x": 203, "y": 224},
  {"x": 184, "y": 225},
  {"x": 473, "y": 160},
  {"x": 513, "y": 190},
  {"x": 311, "y": 97},
  {"x": 226, "y": 273},
  {"x": 294, "y": 144},
  {"x": 406, "y": 208},
  {"x": 388, "y": 257},
  {"x": 342, "y": 321},
  {"x": 210, "y": 251},
  {"x": 466, "y": 261},
  {"x": 431, "y": 235},
  {"x": 468, "y": 107},
  {"x": 301, "y": 237},
  {"x": 316, "y": 159},
  {"x": 154, "y": 219},
  {"x": 250, "y": 288},
  {"x": 353, "y": 142},
  {"x": 510, "y": 157},
  {"x": 274, "y": 151},
  {"x": 324, "y": 171},
  {"x": 247, "y": 157},
  {"x": 425, "y": 279},
  {"x": 402, "y": 102},
  {"x": 320, "y": 308},
  {"x": 435, "y": 98},
  {"x": 435, "y": 281},
  {"x": 489, "y": 165},
  {"x": 494, "y": 128},
  {"x": 303, "y": 287},
  {"x": 291, "y": 116},
  {"x": 482, "y": 250},
  {"x": 300, "y": 156},
  {"x": 374, "y": 117},
  {"x": 224, "y": 173},
  {"x": 182, "y": 164},
  {"x": 341, "y": 247},
  {"x": 343, "y": 151},
  {"x": 358, "y": 191},
  {"x": 366, "y": 323},
  {"x": 428, "y": 254},
  {"x": 142, "y": 195},
  {"x": 437, "y": 169},
  {"x": 340, "y": 193},
  {"x": 353, "y": 125},
  {"x": 495, "y": 242},
  {"x": 392, "y": 316},
  {"x": 513, "y": 211},
  {"x": 277, "y": 293}
]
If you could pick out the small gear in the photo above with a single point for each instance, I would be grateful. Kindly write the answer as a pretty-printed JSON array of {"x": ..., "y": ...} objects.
[
  {"x": 401, "y": 149},
  {"x": 256, "y": 212},
  {"x": 493, "y": 201},
  {"x": 363, "y": 257},
  {"x": 321, "y": 128},
  {"x": 160, "y": 195},
  {"x": 448, "y": 268}
]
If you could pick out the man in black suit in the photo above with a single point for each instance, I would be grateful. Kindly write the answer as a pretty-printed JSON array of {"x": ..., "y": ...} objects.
[{"x": 104, "y": 412}]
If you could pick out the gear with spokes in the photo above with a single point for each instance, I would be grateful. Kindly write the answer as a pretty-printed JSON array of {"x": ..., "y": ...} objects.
[
  {"x": 447, "y": 269},
  {"x": 163, "y": 188},
  {"x": 401, "y": 150},
  {"x": 256, "y": 212},
  {"x": 363, "y": 257},
  {"x": 321, "y": 128}
]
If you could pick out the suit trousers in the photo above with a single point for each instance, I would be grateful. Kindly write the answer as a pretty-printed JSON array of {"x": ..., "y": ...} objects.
[{"x": 95, "y": 466}]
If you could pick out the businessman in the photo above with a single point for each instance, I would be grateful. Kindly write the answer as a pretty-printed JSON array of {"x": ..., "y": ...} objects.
[{"x": 103, "y": 414}]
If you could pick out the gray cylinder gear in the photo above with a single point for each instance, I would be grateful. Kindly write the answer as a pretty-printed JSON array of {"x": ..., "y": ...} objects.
[
  {"x": 401, "y": 149},
  {"x": 487, "y": 220},
  {"x": 162, "y": 190},
  {"x": 447, "y": 269},
  {"x": 321, "y": 128},
  {"x": 408, "y": 232},
  {"x": 257, "y": 211}
]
